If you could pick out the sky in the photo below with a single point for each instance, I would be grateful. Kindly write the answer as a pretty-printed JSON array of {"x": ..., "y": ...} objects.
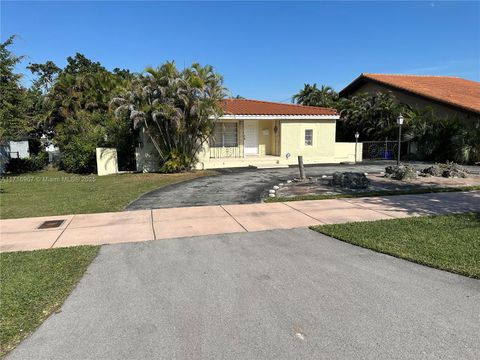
[{"x": 264, "y": 50}]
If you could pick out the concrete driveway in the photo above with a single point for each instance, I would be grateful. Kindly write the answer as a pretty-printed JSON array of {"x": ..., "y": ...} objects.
[
  {"x": 282, "y": 294},
  {"x": 238, "y": 186}
]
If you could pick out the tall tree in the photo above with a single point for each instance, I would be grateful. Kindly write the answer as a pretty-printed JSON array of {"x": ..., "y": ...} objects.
[
  {"x": 175, "y": 108},
  {"x": 373, "y": 116},
  {"x": 14, "y": 123},
  {"x": 46, "y": 74},
  {"x": 311, "y": 95}
]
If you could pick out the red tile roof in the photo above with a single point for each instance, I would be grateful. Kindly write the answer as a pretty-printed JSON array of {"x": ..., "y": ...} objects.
[
  {"x": 257, "y": 107},
  {"x": 454, "y": 91}
]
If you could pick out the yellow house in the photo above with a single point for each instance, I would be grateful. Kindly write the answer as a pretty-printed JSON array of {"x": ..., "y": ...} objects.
[{"x": 266, "y": 134}]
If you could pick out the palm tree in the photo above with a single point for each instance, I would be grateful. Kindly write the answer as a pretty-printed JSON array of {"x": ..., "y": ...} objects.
[
  {"x": 311, "y": 95},
  {"x": 175, "y": 108}
]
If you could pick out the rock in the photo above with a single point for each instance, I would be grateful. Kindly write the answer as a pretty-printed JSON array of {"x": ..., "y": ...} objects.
[
  {"x": 281, "y": 184},
  {"x": 271, "y": 195},
  {"x": 401, "y": 172},
  {"x": 350, "y": 180},
  {"x": 289, "y": 181},
  {"x": 271, "y": 191},
  {"x": 366, "y": 174},
  {"x": 453, "y": 170},
  {"x": 432, "y": 171},
  {"x": 324, "y": 176},
  {"x": 276, "y": 187}
]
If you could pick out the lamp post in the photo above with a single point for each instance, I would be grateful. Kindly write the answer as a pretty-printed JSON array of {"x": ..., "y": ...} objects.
[
  {"x": 357, "y": 135},
  {"x": 400, "y": 123}
]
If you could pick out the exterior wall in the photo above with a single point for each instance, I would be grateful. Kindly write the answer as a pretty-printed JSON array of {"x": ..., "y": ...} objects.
[
  {"x": 265, "y": 138},
  {"x": 345, "y": 152},
  {"x": 416, "y": 101},
  {"x": 292, "y": 140}
]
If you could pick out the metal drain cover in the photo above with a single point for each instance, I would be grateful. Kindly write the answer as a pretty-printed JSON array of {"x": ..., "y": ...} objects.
[{"x": 51, "y": 224}]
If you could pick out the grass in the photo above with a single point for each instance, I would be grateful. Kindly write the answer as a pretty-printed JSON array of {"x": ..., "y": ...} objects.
[
  {"x": 371, "y": 193},
  {"x": 33, "y": 285},
  {"x": 447, "y": 242},
  {"x": 57, "y": 193}
]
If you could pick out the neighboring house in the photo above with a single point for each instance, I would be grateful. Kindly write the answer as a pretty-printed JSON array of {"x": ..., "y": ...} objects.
[
  {"x": 265, "y": 134},
  {"x": 446, "y": 95}
]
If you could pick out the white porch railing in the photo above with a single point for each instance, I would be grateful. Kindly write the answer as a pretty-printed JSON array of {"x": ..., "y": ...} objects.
[{"x": 226, "y": 152}]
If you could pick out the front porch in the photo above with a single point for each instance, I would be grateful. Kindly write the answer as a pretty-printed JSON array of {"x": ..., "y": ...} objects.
[{"x": 239, "y": 139}]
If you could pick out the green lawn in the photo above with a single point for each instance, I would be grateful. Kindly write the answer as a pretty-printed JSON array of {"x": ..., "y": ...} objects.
[
  {"x": 371, "y": 193},
  {"x": 56, "y": 193},
  {"x": 447, "y": 242},
  {"x": 33, "y": 285}
]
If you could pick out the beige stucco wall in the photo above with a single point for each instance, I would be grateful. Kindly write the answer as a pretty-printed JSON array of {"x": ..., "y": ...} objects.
[
  {"x": 345, "y": 152},
  {"x": 415, "y": 101},
  {"x": 107, "y": 161},
  {"x": 292, "y": 140},
  {"x": 266, "y": 137}
]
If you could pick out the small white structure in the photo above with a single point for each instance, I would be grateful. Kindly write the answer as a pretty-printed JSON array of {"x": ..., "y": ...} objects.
[
  {"x": 19, "y": 149},
  {"x": 107, "y": 161},
  {"x": 13, "y": 150}
]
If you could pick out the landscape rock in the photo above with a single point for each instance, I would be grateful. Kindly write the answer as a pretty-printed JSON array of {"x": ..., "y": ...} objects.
[
  {"x": 402, "y": 172},
  {"x": 350, "y": 180},
  {"x": 432, "y": 171},
  {"x": 453, "y": 170}
]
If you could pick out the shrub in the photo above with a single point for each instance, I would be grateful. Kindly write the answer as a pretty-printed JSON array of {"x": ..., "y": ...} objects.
[
  {"x": 77, "y": 139},
  {"x": 176, "y": 162},
  {"x": 34, "y": 163},
  {"x": 79, "y": 157},
  {"x": 402, "y": 172}
]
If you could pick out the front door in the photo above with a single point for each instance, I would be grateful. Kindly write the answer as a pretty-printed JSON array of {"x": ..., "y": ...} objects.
[{"x": 251, "y": 137}]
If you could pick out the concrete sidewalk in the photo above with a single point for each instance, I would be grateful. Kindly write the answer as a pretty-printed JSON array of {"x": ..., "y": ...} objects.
[{"x": 143, "y": 225}]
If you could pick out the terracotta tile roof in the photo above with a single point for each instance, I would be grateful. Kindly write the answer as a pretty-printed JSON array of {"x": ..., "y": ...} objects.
[
  {"x": 447, "y": 89},
  {"x": 257, "y": 107}
]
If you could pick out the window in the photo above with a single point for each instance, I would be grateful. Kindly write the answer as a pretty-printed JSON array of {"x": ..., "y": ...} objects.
[
  {"x": 224, "y": 135},
  {"x": 308, "y": 137}
]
